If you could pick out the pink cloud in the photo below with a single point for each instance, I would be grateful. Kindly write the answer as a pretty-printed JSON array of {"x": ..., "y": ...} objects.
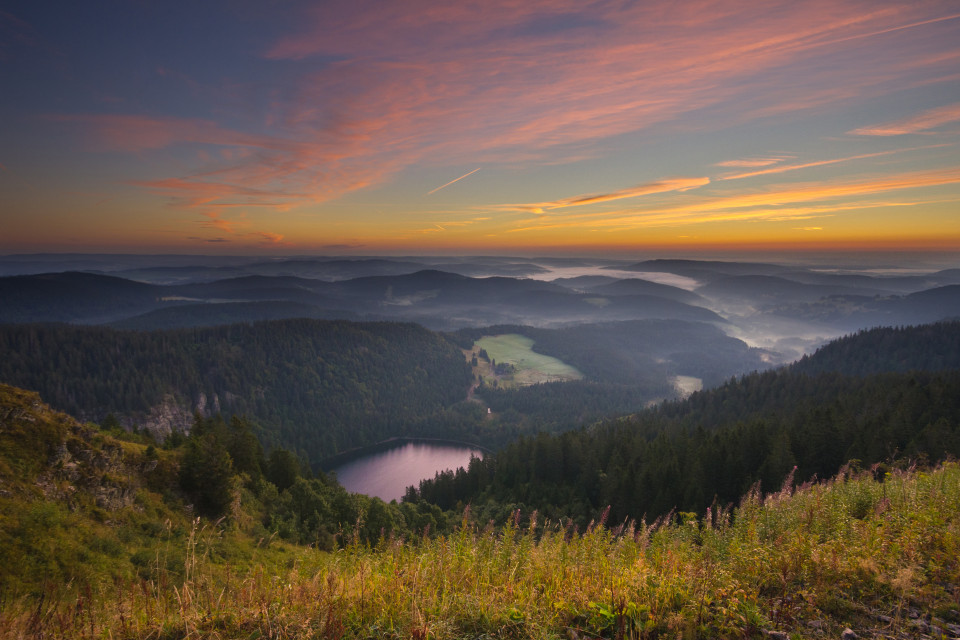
[
  {"x": 451, "y": 83},
  {"x": 502, "y": 86}
]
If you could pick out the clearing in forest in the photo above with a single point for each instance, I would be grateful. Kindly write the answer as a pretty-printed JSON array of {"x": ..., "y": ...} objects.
[{"x": 526, "y": 366}]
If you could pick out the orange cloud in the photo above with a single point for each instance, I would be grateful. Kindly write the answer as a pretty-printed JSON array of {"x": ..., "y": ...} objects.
[
  {"x": 271, "y": 238},
  {"x": 774, "y": 204},
  {"x": 215, "y": 221},
  {"x": 916, "y": 124},
  {"x": 661, "y": 186}
]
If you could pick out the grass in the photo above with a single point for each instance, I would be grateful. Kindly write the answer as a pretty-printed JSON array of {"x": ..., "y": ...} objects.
[
  {"x": 835, "y": 554},
  {"x": 531, "y": 367}
]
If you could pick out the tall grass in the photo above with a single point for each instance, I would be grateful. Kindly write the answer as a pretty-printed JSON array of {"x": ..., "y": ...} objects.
[{"x": 834, "y": 554}]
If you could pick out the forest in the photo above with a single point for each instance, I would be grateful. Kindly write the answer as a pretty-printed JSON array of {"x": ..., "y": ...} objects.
[
  {"x": 316, "y": 387},
  {"x": 714, "y": 446},
  {"x": 709, "y": 514}
]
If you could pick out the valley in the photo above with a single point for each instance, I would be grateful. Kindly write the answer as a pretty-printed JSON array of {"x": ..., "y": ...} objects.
[{"x": 621, "y": 418}]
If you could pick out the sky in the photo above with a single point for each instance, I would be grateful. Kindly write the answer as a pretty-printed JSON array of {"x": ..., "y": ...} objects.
[{"x": 494, "y": 126}]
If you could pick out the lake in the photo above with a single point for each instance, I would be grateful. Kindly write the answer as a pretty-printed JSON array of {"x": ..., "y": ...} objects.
[{"x": 386, "y": 470}]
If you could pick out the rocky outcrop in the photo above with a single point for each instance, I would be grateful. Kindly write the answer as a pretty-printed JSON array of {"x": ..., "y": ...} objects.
[
  {"x": 80, "y": 470},
  {"x": 167, "y": 417},
  {"x": 172, "y": 415}
]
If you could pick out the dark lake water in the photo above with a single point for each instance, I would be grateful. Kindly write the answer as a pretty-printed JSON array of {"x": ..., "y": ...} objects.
[{"x": 386, "y": 471}]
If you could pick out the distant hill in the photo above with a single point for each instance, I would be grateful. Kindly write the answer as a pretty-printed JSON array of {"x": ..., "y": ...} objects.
[
  {"x": 186, "y": 316},
  {"x": 74, "y": 297},
  {"x": 766, "y": 289},
  {"x": 887, "y": 284},
  {"x": 705, "y": 270},
  {"x": 437, "y": 299},
  {"x": 638, "y": 286},
  {"x": 855, "y": 312},
  {"x": 583, "y": 283}
]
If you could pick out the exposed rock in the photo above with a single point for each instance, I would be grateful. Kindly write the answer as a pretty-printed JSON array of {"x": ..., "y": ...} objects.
[
  {"x": 848, "y": 634},
  {"x": 201, "y": 405},
  {"x": 168, "y": 417},
  {"x": 777, "y": 635},
  {"x": 60, "y": 456}
]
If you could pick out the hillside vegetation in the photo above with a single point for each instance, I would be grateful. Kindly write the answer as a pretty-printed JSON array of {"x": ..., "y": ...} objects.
[
  {"x": 317, "y": 387},
  {"x": 878, "y": 556},
  {"x": 713, "y": 446},
  {"x": 85, "y": 505}
]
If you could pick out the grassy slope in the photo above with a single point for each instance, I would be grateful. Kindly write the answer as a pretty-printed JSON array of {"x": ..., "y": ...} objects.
[
  {"x": 821, "y": 558},
  {"x": 84, "y": 509}
]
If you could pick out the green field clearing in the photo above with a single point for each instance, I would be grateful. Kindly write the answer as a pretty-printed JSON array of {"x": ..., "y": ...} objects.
[{"x": 532, "y": 367}]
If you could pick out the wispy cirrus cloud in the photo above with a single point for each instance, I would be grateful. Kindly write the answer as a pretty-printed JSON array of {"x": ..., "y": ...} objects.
[
  {"x": 805, "y": 165},
  {"x": 753, "y": 162},
  {"x": 920, "y": 123},
  {"x": 372, "y": 88},
  {"x": 821, "y": 163}
]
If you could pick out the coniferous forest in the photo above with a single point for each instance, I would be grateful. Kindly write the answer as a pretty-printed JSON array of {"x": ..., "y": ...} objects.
[{"x": 316, "y": 387}]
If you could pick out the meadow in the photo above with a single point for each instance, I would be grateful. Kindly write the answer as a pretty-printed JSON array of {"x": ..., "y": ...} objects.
[
  {"x": 876, "y": 552},
  {"x": 530, "y": 367}
]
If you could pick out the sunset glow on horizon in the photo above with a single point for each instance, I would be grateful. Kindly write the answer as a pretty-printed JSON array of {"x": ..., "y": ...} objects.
[{"x": 373, "y": 127}]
